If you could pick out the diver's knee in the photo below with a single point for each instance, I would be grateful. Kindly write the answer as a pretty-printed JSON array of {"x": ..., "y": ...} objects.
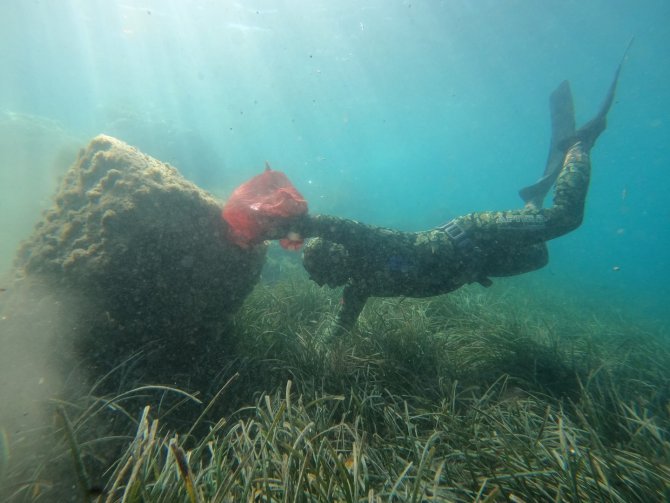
[{"x": 573, "y": 222}]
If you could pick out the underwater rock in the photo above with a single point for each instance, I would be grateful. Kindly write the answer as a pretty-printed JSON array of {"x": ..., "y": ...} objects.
[{"x": 142, "y": 255}]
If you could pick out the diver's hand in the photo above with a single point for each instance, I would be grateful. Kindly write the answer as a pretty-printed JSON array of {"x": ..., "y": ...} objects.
[
  {"x": 290, "y": 231},
  {"x": 281, "y": 228}
]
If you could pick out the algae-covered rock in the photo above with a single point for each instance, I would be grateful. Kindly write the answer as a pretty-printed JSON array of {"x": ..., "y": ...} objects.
[{"x": 145, "y": 253}]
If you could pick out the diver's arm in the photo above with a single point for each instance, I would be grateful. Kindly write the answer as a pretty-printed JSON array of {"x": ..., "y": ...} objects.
[
  {"x": 353, "y": 302},
  {"x": 353, "y": 235}
]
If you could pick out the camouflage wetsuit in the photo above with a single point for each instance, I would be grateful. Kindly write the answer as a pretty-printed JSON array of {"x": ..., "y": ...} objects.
[{"x": 375, "y": 261}]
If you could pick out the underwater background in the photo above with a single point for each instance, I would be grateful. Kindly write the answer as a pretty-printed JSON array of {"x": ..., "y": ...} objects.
[
  {"x": 402, "y": 114},
  {"x": 396, "y": 113}
]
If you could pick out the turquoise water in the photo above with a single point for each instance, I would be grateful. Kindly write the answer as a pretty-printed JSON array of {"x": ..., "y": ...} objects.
[{"x": 396, "y": 113}]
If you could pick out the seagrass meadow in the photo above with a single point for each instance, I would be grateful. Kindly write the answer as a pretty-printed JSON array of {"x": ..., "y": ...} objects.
[{"x": 479, "y": 396}]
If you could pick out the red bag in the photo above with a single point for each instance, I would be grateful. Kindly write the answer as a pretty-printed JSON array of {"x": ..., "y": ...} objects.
[{"x": 260, "y": 205}]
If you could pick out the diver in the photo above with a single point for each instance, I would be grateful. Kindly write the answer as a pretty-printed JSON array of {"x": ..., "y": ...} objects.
[{"x": 375, "y": 261}]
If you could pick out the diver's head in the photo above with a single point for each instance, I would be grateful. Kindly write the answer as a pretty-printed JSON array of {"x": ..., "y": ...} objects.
[{"x": 326, "y": 262}]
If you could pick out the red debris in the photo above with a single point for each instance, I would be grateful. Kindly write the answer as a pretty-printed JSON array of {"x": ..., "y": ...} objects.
[{"x": 262, "y": 204}]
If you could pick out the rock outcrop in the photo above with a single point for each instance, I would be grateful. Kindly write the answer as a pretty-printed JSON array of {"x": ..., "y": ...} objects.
[{"x": 145, "y": 256}]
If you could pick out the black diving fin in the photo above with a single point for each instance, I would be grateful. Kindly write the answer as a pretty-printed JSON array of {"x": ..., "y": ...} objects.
[
  {"x": 590, "y": 131},
  {"x": 563, "y": 134},
  {"x": 562, "y": 112}
]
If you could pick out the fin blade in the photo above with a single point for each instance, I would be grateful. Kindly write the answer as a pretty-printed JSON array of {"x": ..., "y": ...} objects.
[
  {"x": 562, "y": 111},
  {"x": 563, "y": 132}
]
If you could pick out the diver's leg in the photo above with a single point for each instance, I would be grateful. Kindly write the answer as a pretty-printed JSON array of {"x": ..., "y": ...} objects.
[
  {"x": 497, "y": 231},
  {"x": 572, "y": 185},
  {"x": 516, "y": 260}
]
